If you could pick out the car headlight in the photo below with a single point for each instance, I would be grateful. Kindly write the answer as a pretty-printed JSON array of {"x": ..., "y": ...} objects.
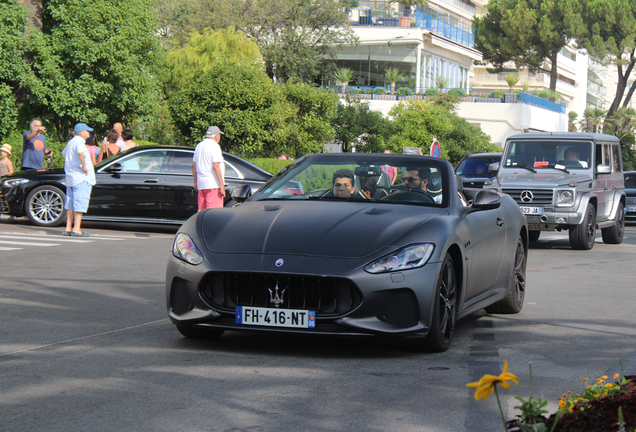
[
  {"x": 564, "y": 197},
  {"x": 408, "y": 257},
  {"x": 185, "y": 249},
  {"x": 14, "y": 182}
]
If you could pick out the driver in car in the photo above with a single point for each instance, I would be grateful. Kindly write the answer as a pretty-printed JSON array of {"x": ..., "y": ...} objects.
[
  {"x": 418, "y": 178},
  {"x": 342, "y": 185}
]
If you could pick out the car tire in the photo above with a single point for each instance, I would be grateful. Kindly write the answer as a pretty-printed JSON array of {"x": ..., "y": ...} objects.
[
  {"x": 513, "y": 303},
  {"x": 533, "y": 236},
  {"x": 582, "y": 236},
  {"x": 444, "y": 309},
  {"x": 614, "y": 234},
  {"x": 196, "y": 333},
  {"x": 45, "y": 206}
]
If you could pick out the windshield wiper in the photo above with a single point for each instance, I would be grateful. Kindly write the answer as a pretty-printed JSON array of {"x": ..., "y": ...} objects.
[
  {"x": 529, "y": 168},
  {"x": 561, "y": 168}
]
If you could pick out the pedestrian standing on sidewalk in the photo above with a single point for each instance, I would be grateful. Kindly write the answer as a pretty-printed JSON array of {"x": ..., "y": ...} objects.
[
  {"x": 6, "y": 167},
  {"x": 80, "y": 178},
  {"x": 208, "y": 170},
  {"x": 34, "y": 147}
]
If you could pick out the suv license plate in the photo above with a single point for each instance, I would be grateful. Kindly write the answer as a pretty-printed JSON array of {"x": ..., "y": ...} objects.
[
  {"x": 290, "y": 318},
  {"x": 532, "y": 210},
  {"x": 630, "y": 209}
]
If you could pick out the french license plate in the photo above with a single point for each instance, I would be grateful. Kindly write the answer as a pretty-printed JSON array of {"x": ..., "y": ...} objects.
[
  {"x": 291, "y": 318},
  {"x": 532, "y": 210},
  {"x": 630, "y": 209}
]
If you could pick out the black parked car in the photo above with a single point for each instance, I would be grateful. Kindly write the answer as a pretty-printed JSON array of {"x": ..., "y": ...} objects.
[
  {"x": 394, "y": 261},
  {"x": 473, "y": 169},
  {"x": 630, "y": 192},
  {"x": 128, "y": 189}
]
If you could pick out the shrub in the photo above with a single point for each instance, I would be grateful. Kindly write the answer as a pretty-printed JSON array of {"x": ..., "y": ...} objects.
[
  {"x": 457, "y": 92},
  {"x": 270, "y": 165},
  {"x": 354, "y": 91},
  {"x": 498, "y": 94},
  {"x": 379, "y": 91},
  {"x": 431, "y": 92},
  {"x": 404, "y": 91}
]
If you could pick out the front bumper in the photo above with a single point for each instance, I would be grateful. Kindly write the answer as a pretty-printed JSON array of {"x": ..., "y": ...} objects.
[
  {"x": 392, "y": 304},
  {"x": 551, "y": 220}
]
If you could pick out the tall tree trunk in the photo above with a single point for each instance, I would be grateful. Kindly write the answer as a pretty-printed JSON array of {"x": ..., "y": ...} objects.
[
  {"x": 35, "y": 11},
  {"x": 554, "y": 72},
  {"x": 620, "y": 88}
]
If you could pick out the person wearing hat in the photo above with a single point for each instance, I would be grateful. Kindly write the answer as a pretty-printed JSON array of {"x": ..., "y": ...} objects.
[
  {"x": 80, "y": 179},
  {"x": 208, "y": 170},
  {"x": 6, "y": 167}
]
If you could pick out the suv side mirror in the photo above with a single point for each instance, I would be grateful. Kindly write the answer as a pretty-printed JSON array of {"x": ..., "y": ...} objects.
[
  {"x": 493, "y": 167},
  {"x": 241, "y": 193},
  {"x": 486, "y": 199},
  {"x": 603, "y": 169}
]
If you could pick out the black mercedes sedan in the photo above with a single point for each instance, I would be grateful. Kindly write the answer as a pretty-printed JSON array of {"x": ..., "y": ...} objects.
[
  {"x": 473, "y": 169},
  {"x": 149, "y": 184},
  {"x": 354, "y": 253},
  {"x": 630, "y": 193}
]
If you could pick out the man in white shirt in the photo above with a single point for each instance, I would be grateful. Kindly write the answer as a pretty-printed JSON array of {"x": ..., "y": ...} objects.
[
  {"x": 80, "y": 178},
  {"x": 208, "y": 170}
]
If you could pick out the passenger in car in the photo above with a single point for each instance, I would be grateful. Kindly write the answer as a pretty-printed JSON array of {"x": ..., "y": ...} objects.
[
  {"x": 419, "y": 178},
  {"x": 368, "y": 186},
  {"x": 342, "y": 183}
]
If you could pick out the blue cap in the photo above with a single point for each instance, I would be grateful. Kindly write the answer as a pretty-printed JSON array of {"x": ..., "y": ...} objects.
[{"x": 82, "y": 127}]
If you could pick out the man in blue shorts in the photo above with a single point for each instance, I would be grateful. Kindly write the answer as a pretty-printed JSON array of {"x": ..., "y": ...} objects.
[{"x": 80, "y": 178}]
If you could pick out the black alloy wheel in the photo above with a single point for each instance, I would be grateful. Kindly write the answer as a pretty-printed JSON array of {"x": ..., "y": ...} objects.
[
  {"x": 583, "y": 235},
  {"x": 615, "y": 233},
  {"x": 513, "y": 303},
  {"x": 444, "y": 309}
]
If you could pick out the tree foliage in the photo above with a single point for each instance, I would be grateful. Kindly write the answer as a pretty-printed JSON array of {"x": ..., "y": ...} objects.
[
  {"x": 13, "y": 64},
  {"x": 258, "y": 117},
  {"x": 417, "y": 122},
  {"x": 357, "y": 126},
  {"x": 611, "y": 37},
  {"x": 93, "y": 61},
  {"x": 527, "y": 32}
]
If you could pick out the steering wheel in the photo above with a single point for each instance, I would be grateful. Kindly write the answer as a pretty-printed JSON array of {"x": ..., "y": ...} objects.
[
  {"x": 406, "y": 195},
  {"x": 429, "y": 198}
]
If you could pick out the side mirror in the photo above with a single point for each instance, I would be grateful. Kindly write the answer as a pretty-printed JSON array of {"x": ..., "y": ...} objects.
[
  {"x": 493, "y": 167},
  {"x": 241, "y": 193},
  {"x": 114, "y": 168},
  {"x": 486, "y": 199},
  {"x": 603, "y": 169}
]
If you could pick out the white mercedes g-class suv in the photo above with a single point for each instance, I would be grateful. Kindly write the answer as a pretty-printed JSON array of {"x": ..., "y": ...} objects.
[{"x": 566, "y": 181}]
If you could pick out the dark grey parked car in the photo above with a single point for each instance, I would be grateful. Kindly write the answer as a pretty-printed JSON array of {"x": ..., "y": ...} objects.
[
  {"x": 393, "y": 261},
  {"x": 630, "y": 193},
  {"x": 125, "y": 191}
]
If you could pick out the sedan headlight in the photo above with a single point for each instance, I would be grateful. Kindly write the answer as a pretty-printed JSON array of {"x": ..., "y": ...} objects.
[
  {"x": 14, "y": 182},
  {"x": 565, "y": 197},
  {"x": 185, "y": 249},
  {"x": 408, "y": 257}
]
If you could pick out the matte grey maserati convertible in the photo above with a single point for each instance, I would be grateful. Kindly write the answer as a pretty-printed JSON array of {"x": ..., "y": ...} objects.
[{"x": 365, "y": 244}]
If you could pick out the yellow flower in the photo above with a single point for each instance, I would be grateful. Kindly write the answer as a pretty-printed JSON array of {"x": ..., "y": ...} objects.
[
  {"x": 486, "y": 385},
  {"x": 585, "y": 379},
  {"x": 604, "y": 377},
  {"x": 616, "y": 375},
  {"x": 562, "y": 403}
]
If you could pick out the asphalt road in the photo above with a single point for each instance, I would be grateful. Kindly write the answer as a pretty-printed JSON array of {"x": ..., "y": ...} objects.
[{"x": 85, "y": 345}]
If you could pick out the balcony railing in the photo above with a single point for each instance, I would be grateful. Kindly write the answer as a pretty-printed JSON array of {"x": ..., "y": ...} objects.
[
  {"x": 425, "y": 18},
  {"x": 472, "y": 95}
]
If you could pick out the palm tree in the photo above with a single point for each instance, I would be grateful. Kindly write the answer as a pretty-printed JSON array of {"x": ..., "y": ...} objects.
[
  {"x": 512, "y": 80},
  {"x": 572, "y": 115},
  {"x": 393, "y": 75},
  {"x": 441, "y": 82},
  {"x": 343, "y": 76},
  {"x": 623, "y": 121},
  {"x": 592, "y": 118}
]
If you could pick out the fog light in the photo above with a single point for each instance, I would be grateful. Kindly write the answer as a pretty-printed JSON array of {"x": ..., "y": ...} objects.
[{"x": 560, "y": 220}]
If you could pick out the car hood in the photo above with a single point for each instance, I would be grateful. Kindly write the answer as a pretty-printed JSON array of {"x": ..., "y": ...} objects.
[
  {"x": 318, "y": 228},
  {"x": 548, "y": 179}
]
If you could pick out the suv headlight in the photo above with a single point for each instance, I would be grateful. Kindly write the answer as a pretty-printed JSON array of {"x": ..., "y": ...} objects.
[
  {"x": 408, "y": 257},
  {"x": 185, "y": 249},
  {"x": 14, "y": 182},
  {"x": 565, "y": 197}
]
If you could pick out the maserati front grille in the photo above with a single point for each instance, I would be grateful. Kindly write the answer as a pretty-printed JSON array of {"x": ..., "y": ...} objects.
[{"x": 327, "y": 296}]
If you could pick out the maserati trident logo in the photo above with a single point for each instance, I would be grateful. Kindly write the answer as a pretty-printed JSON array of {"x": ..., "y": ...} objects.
[
  {"x": 276, "y": 296},
  {"x": 279, "y": 262},
  {"x": 527, "y": 196}
]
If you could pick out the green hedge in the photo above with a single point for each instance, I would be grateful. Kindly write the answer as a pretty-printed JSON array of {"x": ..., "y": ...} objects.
[
  {"x": 379, "y": 91},
  {"x": 404, "y": 91},
  {"x": 270, "y": 165}
]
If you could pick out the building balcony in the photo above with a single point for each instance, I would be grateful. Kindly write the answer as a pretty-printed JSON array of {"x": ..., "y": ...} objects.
[{"x": 424, "y": 18}]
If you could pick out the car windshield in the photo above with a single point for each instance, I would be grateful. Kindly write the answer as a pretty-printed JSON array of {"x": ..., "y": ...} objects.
[
  {"x": 476, "y": 166},
  {"x": 388, "y": 179},
  {"x": 549, "y": 154}
]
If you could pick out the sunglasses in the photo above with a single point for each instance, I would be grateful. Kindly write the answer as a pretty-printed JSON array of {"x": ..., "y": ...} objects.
[{"x": 411, "y": 179}]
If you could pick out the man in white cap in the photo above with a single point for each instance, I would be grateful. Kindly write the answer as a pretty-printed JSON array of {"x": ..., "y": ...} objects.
[
  {"x": 208, "y": 170},
  {"x": 80, "y": 179}
]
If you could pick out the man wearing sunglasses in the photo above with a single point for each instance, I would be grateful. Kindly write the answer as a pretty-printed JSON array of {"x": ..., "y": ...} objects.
[{"x": 418, "y": 178}]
